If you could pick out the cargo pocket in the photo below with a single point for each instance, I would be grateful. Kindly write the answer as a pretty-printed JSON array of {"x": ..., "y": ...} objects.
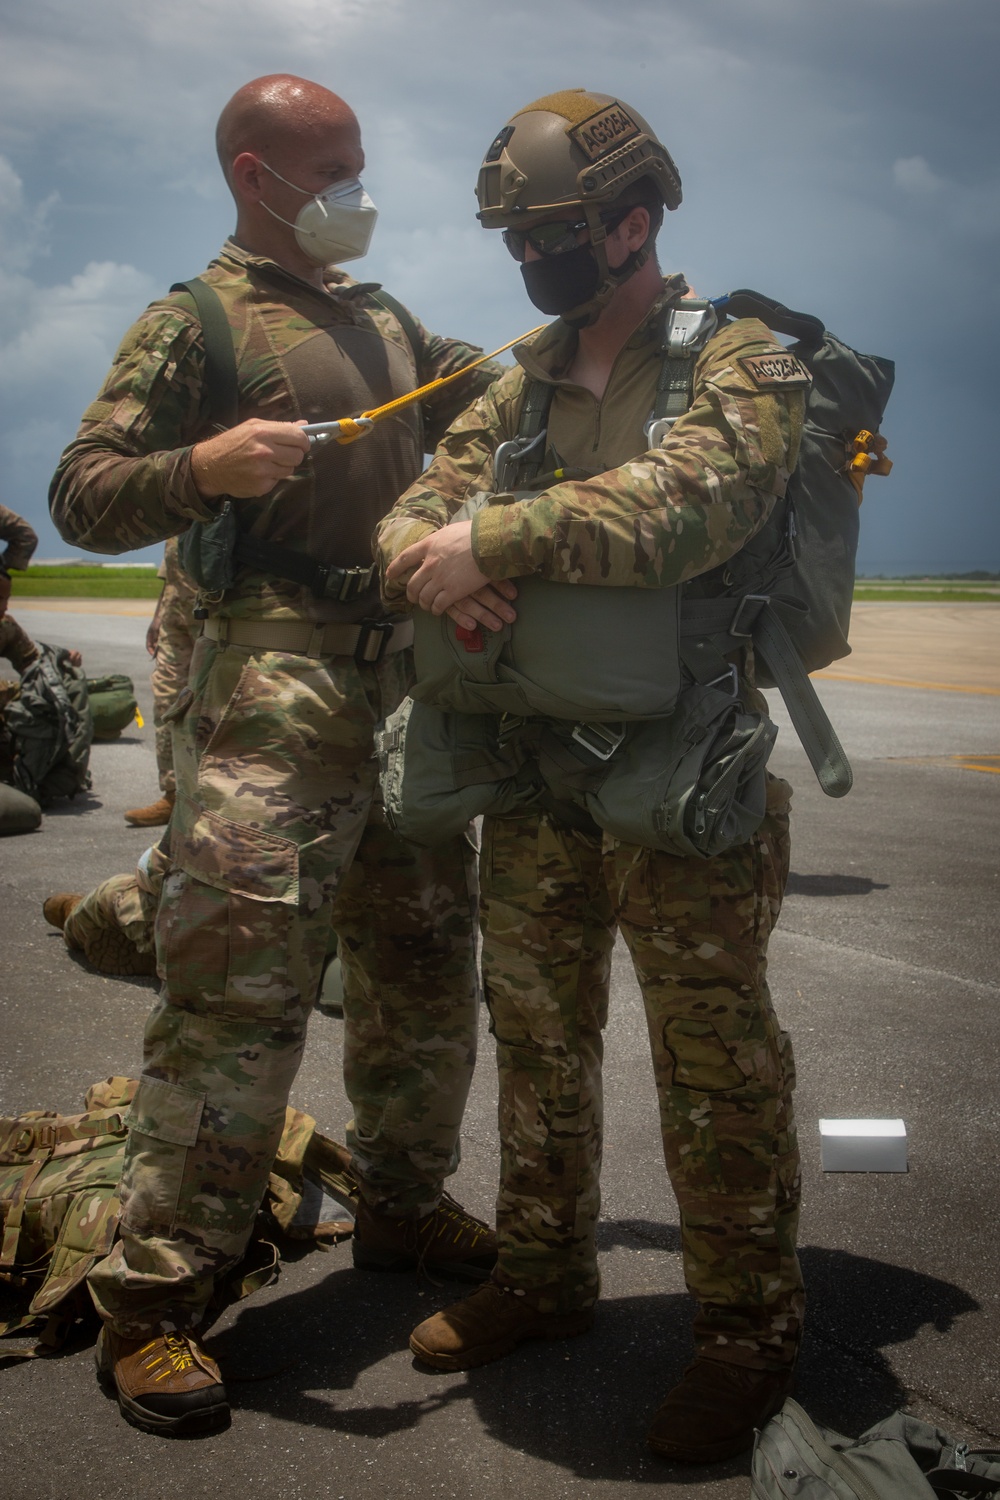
[
  {"x": 163, "y": 1122},
  {"x": 702, "y": 1060},
  {"x": 224, "y": 923}
]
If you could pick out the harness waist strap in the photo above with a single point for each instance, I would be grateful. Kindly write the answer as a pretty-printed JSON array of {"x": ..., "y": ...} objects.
[{"x": 367, "y": 641}]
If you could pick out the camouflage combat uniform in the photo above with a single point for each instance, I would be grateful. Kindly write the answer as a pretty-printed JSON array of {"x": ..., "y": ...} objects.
[
  {"x": 174, "y": 645},
  {"x": 20, "y": 538},
  {"x": 276, "y": 790},
  {"x": 553, "y": 896},
  {"x": 15, "y": 644}
]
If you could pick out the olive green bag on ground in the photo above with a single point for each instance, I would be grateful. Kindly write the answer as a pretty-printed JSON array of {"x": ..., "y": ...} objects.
[
  {"x": 112, "y": 704},
  {"x": 901, "y": 1458}
]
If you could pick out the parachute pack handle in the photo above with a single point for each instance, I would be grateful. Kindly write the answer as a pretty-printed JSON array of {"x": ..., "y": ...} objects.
[{"x": 744, "y": 303}]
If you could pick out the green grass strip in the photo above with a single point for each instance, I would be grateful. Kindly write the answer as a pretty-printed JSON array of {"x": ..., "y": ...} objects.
[{"x": 107, "y": 586}]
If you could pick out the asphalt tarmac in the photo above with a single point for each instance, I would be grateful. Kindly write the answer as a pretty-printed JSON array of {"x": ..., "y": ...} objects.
[{"x": 884, "y": 969}]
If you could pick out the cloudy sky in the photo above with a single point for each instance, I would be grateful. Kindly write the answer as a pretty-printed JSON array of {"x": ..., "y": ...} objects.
[{"x": 839, "y": 155}]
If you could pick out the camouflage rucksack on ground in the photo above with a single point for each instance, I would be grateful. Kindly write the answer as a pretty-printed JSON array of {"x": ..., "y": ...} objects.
[
  {"x": 59, "y": 1178},
  {"x": 51, "y": 727}
]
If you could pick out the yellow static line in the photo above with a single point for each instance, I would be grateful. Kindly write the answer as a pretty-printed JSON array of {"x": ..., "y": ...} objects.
[{"x": 937, "y": 687}]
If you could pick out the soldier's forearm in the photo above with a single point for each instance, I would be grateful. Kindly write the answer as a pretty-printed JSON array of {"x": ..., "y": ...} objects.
[{"x": 105, "y": 501}]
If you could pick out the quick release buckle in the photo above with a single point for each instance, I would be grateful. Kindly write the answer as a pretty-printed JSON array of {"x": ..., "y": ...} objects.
[
  {"x": 345, "y": 584},
  {"x": 373, "y": 640},
  {"x": 736, "y": 624},
  {"x": 601, "y": 740}
]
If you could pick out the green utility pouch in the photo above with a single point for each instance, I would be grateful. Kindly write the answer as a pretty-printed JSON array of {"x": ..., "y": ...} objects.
[
  {"x": 112, "y": 703},
  {"x": 693, "y": 784}
]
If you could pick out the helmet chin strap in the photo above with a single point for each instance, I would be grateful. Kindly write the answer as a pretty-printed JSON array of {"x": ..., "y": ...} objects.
[{"x": 588, "y": 312}]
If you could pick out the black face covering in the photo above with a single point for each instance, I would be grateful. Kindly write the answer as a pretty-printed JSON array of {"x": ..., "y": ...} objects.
[{"x": 557, "y": 283}]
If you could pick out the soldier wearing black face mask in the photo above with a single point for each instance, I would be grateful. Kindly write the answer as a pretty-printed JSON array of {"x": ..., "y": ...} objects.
[{"x": 570, "y": 175}]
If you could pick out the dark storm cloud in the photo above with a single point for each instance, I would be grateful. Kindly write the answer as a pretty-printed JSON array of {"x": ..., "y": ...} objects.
[{"x": 839, "y": 154}]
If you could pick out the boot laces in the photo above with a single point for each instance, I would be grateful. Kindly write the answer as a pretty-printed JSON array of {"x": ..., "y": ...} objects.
[{"x": 175, "y": 1349}]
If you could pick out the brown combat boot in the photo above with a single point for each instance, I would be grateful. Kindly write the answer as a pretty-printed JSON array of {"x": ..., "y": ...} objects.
[
  {"x": 165, "y": 1382},
  {"x": 58, "y": 907},
  {"x": 713, "y": 1412},
  {"x": 489, "y": 1324},
  {"x": 448, "y": 1241},
  {"x": 156, "y": 815}
]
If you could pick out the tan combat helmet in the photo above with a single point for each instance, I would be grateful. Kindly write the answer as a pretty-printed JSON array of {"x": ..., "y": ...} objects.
[{"x": 575, "y": 149}]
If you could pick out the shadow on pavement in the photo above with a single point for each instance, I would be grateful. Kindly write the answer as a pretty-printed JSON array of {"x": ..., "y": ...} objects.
[
  {"x": 583, "y": 1404},
  {"x": 832, "y": 885}
]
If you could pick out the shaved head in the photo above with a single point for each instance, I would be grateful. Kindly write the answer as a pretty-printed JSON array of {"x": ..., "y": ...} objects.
[{"x": 276, "y": 116}]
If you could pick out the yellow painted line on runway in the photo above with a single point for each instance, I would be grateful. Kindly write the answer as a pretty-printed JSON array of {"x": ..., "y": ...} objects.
[
  {"x": 978, "y": 763},
  {"x": 937, "y": 687}
]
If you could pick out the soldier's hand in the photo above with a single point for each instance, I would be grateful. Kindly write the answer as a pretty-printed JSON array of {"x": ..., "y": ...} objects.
[
  {"x": 487, "y": 606},
  {"x": 4, "y": 593},
  {"x": 443, "y": 573},
  {"x": 248, "y": 460}
]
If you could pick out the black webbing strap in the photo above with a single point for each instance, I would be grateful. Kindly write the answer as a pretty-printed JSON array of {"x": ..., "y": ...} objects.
[
  {"x": 406, "y": 321},
  {"x": 322, "y": 579},
  {"x": 736, "y": 621},
  {"x": 221, "y": 380},
  {"x": 743, "y": 303}
]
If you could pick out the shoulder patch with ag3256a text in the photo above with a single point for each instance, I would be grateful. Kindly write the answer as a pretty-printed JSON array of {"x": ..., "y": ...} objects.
[{"x": 768, "y": 371}]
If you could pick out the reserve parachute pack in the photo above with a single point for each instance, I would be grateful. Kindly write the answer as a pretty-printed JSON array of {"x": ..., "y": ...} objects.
[
  {"x": 901, "y": 1458},
  {"x": 633, "y": 726},
  {"x": 59, "y": 1180},
  {"x": 51, "y": 728}
]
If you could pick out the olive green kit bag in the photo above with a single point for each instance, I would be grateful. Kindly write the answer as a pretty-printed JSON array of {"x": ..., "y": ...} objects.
[
  {"x": 901, "y": 1458},
  {"x": 113, "y": 705}
]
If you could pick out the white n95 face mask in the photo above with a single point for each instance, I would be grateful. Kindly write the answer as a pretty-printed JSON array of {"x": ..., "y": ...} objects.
[{"x": 333, "y": 226}]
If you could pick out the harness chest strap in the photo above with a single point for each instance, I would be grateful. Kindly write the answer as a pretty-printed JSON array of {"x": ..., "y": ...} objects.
[{"x": 367, "y": 641}]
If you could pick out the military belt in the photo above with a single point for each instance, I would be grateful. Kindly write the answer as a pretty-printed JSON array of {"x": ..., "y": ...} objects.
[
  {"x": 321, "y": 579},
  {"x": 368, "y": 641}
]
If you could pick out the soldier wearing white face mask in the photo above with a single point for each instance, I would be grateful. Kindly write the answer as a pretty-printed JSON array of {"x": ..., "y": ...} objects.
[{"x": 276, "y": 820}]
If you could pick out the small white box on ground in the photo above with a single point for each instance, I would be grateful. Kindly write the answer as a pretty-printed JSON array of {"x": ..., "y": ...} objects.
[{"x": 862, "y": 1145}]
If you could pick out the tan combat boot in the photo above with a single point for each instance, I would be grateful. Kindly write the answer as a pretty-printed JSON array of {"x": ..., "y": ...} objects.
[
  {"x": 447, "y": 1241},
  {"x": 489, "y": 1324},
  {"x": 156, "y": 815},
  {"x": 58, "y": 907},
  {"x": 713, "y": 1412},
  {"x": 165, "y": 1383}
]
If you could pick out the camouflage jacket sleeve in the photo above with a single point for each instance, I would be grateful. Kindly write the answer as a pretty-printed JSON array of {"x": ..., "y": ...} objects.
[
  {"x": 16, "y": 644},
  {"x": 659, "y": 519},
  {"x": 125, "y": 481},
  {"x": 440, "y": 357},
  {"x": 462, "y": 466},
  {"x": 20, "y": 538}
]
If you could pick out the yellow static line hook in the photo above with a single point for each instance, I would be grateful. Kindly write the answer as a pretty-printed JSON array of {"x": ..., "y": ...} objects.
[{"x": 349, "y": 429}]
